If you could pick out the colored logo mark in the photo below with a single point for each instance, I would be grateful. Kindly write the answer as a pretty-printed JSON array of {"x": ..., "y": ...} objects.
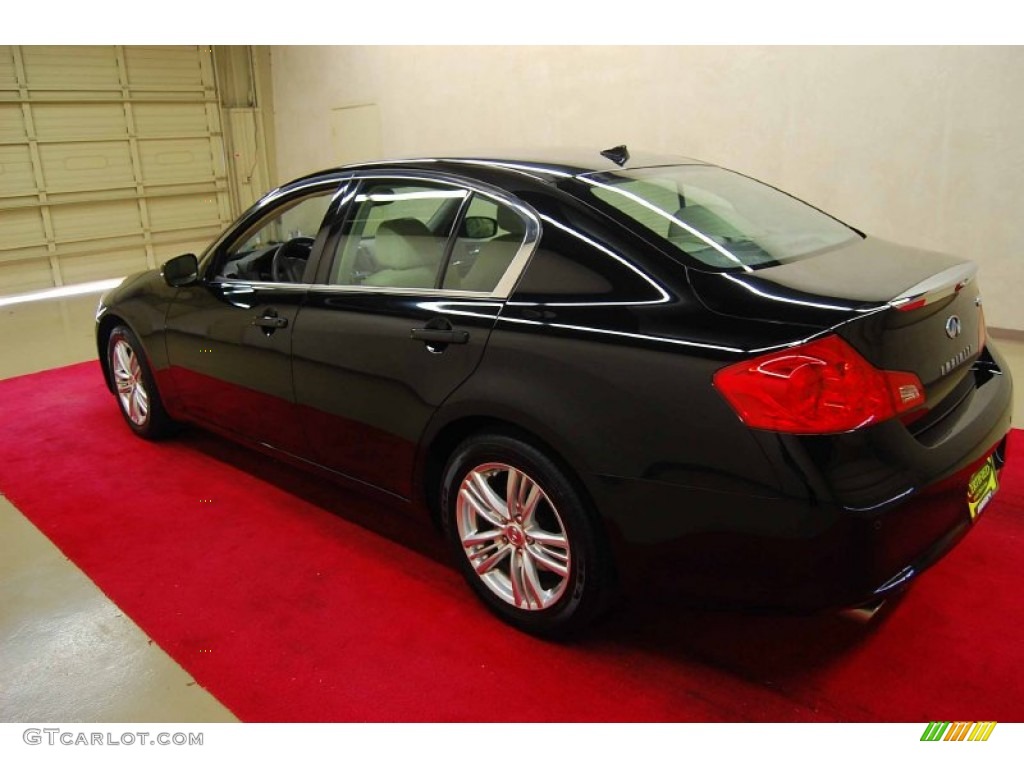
[{"x": 946, "y": 731}]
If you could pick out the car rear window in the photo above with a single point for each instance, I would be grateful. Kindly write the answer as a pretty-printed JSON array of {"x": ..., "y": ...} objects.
[{"x": 720, "y": 218}]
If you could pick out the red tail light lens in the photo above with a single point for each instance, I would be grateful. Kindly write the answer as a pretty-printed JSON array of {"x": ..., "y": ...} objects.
[{"x": 816, "y": 388}]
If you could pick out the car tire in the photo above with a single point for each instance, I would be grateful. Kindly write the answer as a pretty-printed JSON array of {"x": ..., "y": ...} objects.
[
  {"x": 134, "y": 386},
  {"x": 541, "y": 567}
]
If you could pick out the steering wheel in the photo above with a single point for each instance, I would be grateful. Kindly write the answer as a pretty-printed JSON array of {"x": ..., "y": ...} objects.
[{"x": 289, "y": 260}]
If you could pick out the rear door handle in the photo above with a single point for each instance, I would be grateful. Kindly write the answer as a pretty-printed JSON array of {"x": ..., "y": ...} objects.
[
  {"x": 270, "y": 320},
  {"x": 439, "y": 336}
]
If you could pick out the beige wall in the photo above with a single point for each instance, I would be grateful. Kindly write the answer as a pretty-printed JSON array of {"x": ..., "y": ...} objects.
[{"x": 923, "y": 146}]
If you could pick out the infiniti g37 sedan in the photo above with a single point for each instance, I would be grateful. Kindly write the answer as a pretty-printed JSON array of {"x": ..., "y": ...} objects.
[{"x": 598, "y": 373}]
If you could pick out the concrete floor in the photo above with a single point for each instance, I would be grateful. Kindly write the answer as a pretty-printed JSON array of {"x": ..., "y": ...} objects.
[{"x": 67, "y": 653}]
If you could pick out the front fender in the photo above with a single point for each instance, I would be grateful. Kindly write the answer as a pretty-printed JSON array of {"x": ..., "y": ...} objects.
[{"x": 141, "y": 302}]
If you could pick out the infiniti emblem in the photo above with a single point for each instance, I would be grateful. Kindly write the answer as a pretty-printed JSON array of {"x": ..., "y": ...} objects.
[{"x": 953, "y": 326}]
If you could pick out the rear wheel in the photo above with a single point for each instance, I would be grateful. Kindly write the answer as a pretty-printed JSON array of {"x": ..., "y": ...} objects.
[
  {"x": 134, "y": 386},
  {"x": 523, "y": 537}
]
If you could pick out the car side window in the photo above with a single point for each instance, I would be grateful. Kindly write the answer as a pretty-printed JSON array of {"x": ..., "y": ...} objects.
[
  {"x": 490, "y": 236},
  {"x": 397, "y": 234},
  {"x": 277, "y": 246}
]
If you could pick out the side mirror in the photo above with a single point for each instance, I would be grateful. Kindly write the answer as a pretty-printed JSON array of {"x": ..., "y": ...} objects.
[
  {"x": 479, "y": 227},
  {"x": 181, "y": 271}
]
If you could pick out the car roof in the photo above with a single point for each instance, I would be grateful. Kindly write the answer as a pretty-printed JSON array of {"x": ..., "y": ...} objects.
[{"x": 549, "y": 165}]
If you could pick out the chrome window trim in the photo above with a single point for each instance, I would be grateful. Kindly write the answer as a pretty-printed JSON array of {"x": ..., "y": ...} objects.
[
  {"x": 515, "y": 268},
  {"x": 367, "y": 289},
  {"x": 233, "y": 282},
  {"x": 391, "y": 291},
  {"x": 343, "y": 181}
]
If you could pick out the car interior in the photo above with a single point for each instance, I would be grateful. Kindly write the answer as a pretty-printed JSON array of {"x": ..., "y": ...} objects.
[
  {"x": 482, "y": 264},
  {"x": 397, "y": 237},
  {"x": 402, "y": 243},
  {"x": 277, "y": 249}
]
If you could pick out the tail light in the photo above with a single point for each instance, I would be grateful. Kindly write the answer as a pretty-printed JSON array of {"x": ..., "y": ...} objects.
[{"x": 815, "y": 388}]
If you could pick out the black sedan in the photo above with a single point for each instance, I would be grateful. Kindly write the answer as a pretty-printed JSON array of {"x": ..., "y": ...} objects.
[{"x": 597, "y": 373}]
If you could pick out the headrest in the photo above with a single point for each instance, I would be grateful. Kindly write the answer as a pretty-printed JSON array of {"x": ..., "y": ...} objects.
[{"x": 405, "y": 244}]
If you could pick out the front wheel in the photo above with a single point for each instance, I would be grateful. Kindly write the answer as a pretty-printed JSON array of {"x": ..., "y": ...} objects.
[
  {"x": 136, "y": 391},
  {"x": 523, "y": 537}
]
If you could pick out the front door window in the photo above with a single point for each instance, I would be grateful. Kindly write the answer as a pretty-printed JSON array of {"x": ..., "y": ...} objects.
[{"x": 276, "y": 248}]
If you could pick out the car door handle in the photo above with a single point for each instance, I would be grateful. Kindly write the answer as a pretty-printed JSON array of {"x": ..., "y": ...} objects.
[
  {"x": 270, "y": 319},
  {"x": 439, "y": 336}
]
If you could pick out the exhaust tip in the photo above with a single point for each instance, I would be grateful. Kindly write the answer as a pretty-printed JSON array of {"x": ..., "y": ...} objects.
[{"x": 862, "y": 614}]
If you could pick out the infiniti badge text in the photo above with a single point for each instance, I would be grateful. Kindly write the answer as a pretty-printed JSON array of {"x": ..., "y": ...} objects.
[{"x": 953, "y": 362}]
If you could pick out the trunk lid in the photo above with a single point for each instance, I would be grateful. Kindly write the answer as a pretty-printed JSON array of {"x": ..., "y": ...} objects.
[{"x": 902, "y": 308}]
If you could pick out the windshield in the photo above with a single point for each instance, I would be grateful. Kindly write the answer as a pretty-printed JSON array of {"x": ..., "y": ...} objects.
[{"x": 721, "y": 218}]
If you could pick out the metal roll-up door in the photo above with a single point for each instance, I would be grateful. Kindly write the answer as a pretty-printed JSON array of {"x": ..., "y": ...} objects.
[{"x": 111, "y": 161}]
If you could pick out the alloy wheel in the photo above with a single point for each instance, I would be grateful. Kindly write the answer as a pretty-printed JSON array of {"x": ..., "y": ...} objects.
[
  {"x": 513, "y": 535},
  {"x": 131, "y": 389}
]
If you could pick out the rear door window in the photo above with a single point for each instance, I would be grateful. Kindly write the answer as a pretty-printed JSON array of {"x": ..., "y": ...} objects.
[
  {"x": 424, "y": 235},
  {"x": 397, "y": 235},
  {"x": 490, "y": 236}
]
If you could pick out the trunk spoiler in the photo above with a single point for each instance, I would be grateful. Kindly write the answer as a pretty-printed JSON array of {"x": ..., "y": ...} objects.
[{"x": 936, "y": 287}]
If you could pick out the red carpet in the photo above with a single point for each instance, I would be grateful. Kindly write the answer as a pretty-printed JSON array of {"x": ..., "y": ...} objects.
[{"x": 292, "y": 600}]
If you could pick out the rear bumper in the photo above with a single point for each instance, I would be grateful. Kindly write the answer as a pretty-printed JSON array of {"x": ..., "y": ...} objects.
[{"x": 855, "y": 517}]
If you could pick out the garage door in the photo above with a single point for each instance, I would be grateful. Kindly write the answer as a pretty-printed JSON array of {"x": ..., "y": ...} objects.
[{"x": 111, "y": 161}]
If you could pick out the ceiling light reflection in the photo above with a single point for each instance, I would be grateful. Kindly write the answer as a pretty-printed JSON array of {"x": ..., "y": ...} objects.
[{"x": 62, "y": 292}]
